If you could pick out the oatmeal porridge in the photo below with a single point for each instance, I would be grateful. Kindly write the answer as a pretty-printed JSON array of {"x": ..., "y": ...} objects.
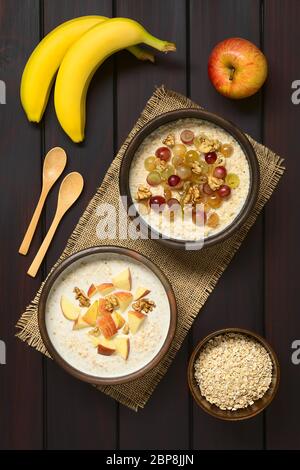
[
  {"x": 189, "y": 179},
  {"x": 107, "y": 315}
]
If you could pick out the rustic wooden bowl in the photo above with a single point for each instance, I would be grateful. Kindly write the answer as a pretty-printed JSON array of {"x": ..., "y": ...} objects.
[
  {"x": 245, "y": 413},
  {"x": 60, "y": 270},
  {"x": 229, "y": 127}
]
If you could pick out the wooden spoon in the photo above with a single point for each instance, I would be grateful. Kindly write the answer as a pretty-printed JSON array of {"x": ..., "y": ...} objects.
[
  {"x": 54, "y": 164},
  {"x": 70, "y": 189}
]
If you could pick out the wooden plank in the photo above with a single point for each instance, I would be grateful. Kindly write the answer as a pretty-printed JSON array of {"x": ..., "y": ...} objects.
[
  {"x": 238, "y": 298},
  {"x": 155, "y": 427},
  {"x": 281, "y": 125},
  {"x": 79, "y": 417},
  {"x": 21, "y": 378}
]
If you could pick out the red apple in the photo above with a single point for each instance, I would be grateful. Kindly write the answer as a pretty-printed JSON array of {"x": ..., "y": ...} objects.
[{"x": 237, "y": 68}]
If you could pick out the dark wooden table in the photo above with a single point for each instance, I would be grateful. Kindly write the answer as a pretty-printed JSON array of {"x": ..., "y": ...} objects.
[{"x": 43, "y": 407}]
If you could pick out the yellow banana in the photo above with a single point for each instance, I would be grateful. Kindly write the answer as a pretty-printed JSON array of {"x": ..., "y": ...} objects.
[
  {"x": 46, "y": 58},
  {"x": 82, "y": 60}
]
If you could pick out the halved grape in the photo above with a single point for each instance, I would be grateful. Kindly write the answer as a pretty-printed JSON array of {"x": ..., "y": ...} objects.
[
  {"x": 163, "y": 153},
  {"x": 210, "y": 157},
  {"x": 226, "y": 150},
  {"x": 191, "y": 157},
  {"x": 224, "y": 191},
  {"x": 213, "y": 220},
  {"x": 154, "y": 178},
  {"x": 184, "y": 172},
  {"x": 207, "y": 189},
  {"x": 174, "y": 180},
  {"x": 220, "y": 172},
  {"x": 214, "y": 200},
  {"x": 149, "y": 163},
  {"x": 179, "y": 150},
  {"x": 232, "y": 180},
  {"x": 187, "y": 136},
  {"x": 157, "y": 203},
  {"x": 174, "y": 204}
]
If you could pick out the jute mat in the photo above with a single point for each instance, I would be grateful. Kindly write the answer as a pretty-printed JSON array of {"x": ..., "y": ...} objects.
[{"x": 201, "y": 268}]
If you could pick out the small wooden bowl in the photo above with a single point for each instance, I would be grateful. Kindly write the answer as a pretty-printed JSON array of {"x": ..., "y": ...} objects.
[
  {"x": 231, "y": 129},
  {"x": 106, "y": 250},
  {"x": 244, "y": 413}
]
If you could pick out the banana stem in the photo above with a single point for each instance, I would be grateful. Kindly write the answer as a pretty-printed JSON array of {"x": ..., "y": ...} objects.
[
  {"x": 163, "y": 46},
  {"x": 141, "y": 54}
]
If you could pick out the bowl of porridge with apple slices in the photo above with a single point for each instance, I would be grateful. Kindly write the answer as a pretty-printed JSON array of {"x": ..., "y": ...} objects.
[
  {"x": 191, "y": 176},
  {"x": 107, "y": 315}
]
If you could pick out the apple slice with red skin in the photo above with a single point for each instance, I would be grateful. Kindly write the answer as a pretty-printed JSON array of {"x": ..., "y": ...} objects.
[
  {"x": 104, "y": 350},
  {"x": 124, "y": 299},
  {"x": 140, "y": 293},
  {"x": 102, "y": 307},
  {"x": 135, "y": 319},
  {"x": 107, "y": 325},
  {"x": 105, "y": 288},
  {"x": 92, "y": 290}
]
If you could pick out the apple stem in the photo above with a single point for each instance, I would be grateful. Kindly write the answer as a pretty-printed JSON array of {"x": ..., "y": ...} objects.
[{"x": 231, "y": 74}]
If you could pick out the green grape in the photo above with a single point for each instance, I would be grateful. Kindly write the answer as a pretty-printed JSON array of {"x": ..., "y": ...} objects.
[
  {"x": 232, "y": 180},
  {"x": 191, "y": 157},
  {"x": 154, "y": 178},
  {"x": 149, "y": 163},
  {"x": 168, "y": 171},
  {"x": 179, "y": 150}
]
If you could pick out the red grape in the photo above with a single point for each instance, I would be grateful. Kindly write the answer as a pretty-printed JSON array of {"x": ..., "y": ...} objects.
[
  {"x": 220, "y": 172},
  {"x": 157, "y": 202},
  {"x": 187, "y": 136},
  {"x": 199, "y": 216},
  {"x": 173, "y": 204},
  {"x": 224, "y": 190},
  {"x": 173, "y": 180},
  {"x": 163, "y": 153},
  {"x": 210, "y": 157},
  {"x": 207, "y": 189}
]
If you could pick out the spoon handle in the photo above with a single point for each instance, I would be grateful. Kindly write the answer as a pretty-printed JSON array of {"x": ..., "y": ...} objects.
[
  {"x": 24, "y": 247},
  {"x": 36, "y": 263}
]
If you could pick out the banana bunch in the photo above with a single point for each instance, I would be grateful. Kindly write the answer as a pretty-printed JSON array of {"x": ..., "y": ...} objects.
[{"x": 75, "y": 49}]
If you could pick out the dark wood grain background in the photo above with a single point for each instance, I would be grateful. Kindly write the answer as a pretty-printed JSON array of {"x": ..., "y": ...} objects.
[{"x": 40, "y": 405}]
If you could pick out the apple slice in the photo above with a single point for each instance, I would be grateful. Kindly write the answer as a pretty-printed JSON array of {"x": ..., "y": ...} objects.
[
  {"x": 105, "y": 288},
  {"x": 141, "y": 292},
  {"x": 107, "y": 326},
  {"x": 92, "y": 290},
  {"x": 102, "y": 307},
  {"x": 122, "y": 345},
  {"x": 79, "y": 323},
  {"x": 70, "y": 310},
  {"x": 106, "y": 347},
  {"x": 124, "y": 298},
  {"x": 135, "y": 319},
  {"x": 91, "y": 314},
  {"x": 123, "y": 280},
  {"x": 118, "y": 319}
]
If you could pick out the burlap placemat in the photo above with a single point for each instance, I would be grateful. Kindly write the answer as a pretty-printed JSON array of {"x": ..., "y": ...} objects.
[{"x": 202, "y": 269}]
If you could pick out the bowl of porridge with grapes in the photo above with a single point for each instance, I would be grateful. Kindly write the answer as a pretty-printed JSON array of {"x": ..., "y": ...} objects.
[{"x": 191, "y": 177}]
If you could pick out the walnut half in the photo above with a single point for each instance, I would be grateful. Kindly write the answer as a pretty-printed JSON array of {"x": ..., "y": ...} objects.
[
  {"x": 83, "y": 299},
  {"x": 169, "y": 140},
  {"x": 143, "y": 193},
  {"x": 144, "y": 305}
]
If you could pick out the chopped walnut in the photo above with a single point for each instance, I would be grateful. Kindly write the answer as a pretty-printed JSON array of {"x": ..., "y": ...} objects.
[
  {"x": 196, "y": 168},
  {"x": 144, "y": 305},
  {"x": 95, "y": 332},
  {"x": 125, "y": 330},
  {"x": 193, "y": 195},
  {"x": 169, "y": 140},
  {"x": 214, "y": 182},
  {"x": 143, "y": 193},
  {"x": 111, "y": 302},
  {"x": 83, "y": 299},
  {"x": 206, "y": 145}
]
